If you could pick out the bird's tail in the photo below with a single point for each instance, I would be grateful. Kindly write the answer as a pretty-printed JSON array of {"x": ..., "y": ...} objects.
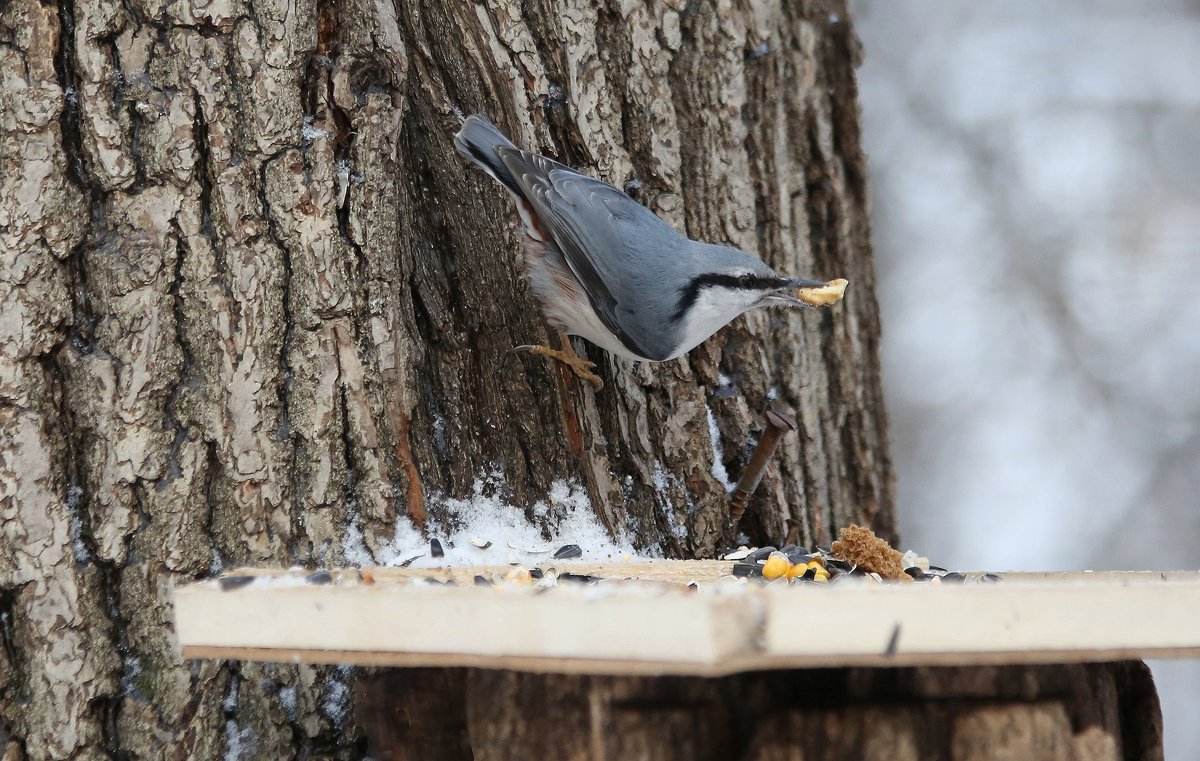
[{"x": 478, "y": 140}]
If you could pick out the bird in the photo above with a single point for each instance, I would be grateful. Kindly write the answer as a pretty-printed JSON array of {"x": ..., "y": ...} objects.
[{"x": 604, "y": 267}]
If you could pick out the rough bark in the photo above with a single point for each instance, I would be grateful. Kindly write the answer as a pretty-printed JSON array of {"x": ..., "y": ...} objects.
[
  {"x": 253, "y": 306},
  {"x": 1095, "y": 712}
]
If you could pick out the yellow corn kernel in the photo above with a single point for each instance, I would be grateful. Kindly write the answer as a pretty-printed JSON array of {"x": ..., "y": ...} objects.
[
  {"x": 519, "y": 575},
  {"x": 777, "y": 565}
]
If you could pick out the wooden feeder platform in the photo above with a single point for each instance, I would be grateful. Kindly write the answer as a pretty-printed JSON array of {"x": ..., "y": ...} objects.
[
  {"x": 673, "y": 660},
  {"x": 646, "y": 619}
]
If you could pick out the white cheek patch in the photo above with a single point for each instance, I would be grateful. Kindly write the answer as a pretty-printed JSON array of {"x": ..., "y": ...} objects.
[{"x": 713, "y": 310}]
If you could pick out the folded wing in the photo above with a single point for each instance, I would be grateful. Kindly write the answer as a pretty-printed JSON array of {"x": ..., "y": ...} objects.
[{"x": 605, "y": 237}]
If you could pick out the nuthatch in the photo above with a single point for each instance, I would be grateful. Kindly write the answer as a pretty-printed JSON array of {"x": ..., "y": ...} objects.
[{"x": 606, "y": 268}]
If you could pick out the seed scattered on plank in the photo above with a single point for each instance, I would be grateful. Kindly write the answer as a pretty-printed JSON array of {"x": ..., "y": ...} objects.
[{"x": 857, "y": 555}]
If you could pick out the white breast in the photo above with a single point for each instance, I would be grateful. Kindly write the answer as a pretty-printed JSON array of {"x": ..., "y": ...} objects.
[{"x": 563, "y": 300}]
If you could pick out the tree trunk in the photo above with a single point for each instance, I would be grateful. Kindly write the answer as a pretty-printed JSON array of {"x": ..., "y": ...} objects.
[
  {"x": 1079, "y": 712},
  {"x": 253, "y": 307}
]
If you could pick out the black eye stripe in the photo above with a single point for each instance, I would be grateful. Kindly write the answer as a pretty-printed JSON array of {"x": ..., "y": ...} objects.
[
  {"x": 690, "y": 292},
  {"x": 746, "y": 281}
]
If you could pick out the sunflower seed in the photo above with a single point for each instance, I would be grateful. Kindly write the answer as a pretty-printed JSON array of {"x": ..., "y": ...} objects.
[
  {"x": 844, "y": 566},
  {"x": 578, "y": 578},
  {"x": 234, "y": 582},
  {"x": 762, "y": 553},
  {"x": 747, "y": 569},
  {"x": 798, "y": 556},
  {"x": 568, "y": 551}
]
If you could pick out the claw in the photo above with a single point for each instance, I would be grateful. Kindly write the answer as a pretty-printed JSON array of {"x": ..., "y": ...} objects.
[{"x": 581, "y": 367}]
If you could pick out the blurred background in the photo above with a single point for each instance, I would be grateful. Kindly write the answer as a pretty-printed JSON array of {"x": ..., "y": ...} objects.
[{"x": 1035, "y": 174}]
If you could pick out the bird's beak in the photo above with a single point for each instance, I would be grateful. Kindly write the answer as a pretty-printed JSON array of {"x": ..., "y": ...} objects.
[{"x": 787, "y": 294}]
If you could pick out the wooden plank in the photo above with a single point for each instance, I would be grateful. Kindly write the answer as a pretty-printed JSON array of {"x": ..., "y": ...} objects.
[
  {"x": 662, "y": 626},
  {"x": 563, "y": 623},
  {"x": 1075, "y": 617}
]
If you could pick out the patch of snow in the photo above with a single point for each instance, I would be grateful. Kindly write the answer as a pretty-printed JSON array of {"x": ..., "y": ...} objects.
[
  {"x": 310, "y": 132},
  {"x": 230, "y": 703},
  {"x": 714, "y": 436},
  {"x": 131, "y": 669},
  {"x": 661, "y": 478},
  {"x": 335, "y": 701},
  {"x": 663, "y": 481},
  {"x": 726, "y": 387},
  {"x": 678, "y": 530},
  {"x": 237, "y": 741},
  {"x": 406, "y": 542},
  {"x": 287, "y": 698},
  {"x": 566, "y": 514},
  {"x": 354, "y": 547}
]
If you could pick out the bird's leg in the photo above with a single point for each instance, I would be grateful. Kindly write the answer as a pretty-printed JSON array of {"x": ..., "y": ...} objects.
[{"x": 581, "y": 367}]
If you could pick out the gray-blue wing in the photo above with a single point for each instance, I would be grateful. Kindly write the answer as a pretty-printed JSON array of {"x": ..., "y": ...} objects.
[{"x": 609, "y": 240}]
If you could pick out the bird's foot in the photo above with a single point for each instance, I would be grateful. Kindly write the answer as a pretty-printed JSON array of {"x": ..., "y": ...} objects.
[{"x": 581, "y": 367}]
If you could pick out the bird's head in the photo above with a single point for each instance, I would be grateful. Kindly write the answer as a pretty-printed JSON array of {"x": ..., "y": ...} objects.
[{"x": 725, "y": 283}]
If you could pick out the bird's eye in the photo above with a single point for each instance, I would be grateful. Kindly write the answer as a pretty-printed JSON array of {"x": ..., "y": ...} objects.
[{"x": 746, "y": 281}]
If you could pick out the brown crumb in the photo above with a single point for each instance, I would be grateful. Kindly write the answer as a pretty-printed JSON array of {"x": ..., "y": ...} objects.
[{"x": 860, "y": 546}]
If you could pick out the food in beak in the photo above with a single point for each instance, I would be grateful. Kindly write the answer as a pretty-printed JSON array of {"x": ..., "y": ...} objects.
[{"x": 823, "y": 295}]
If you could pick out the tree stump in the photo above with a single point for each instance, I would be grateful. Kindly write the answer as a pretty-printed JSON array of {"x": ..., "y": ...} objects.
[{"x": 1091, "y": 712}]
